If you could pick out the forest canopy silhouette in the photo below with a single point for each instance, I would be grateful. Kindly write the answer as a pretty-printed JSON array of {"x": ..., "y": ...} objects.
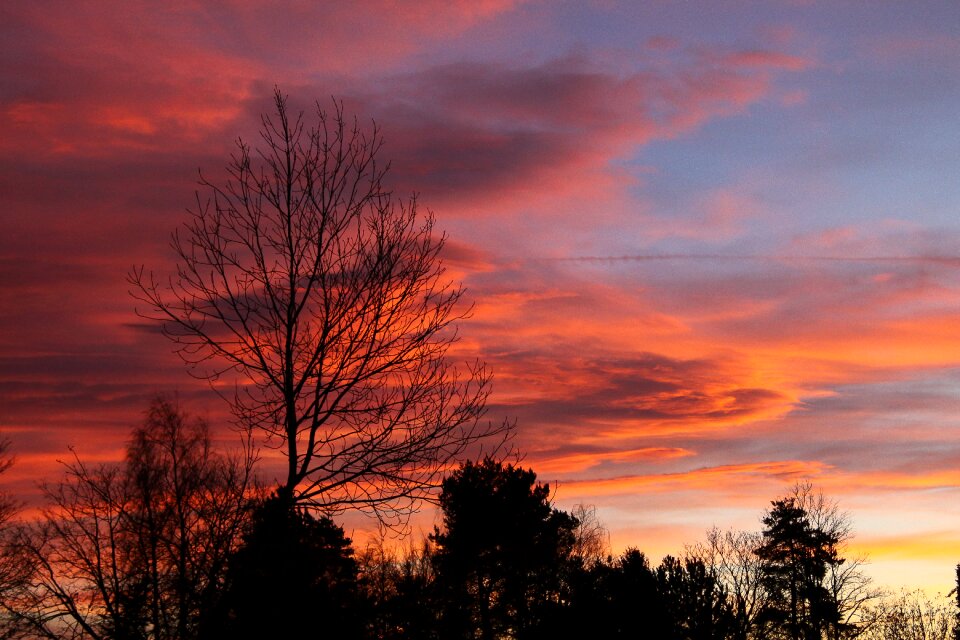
[{"x": 179, "y": 541}]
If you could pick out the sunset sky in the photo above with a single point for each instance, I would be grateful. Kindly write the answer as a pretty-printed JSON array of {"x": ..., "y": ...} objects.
[{"x": 714, "y": 247}]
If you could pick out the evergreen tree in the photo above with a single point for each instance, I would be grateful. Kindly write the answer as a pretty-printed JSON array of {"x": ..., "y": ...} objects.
[
  {"x": 294, "y": 577},
  {"x": 695, "y": 603},
  {"x": 614, "y": 599},
  {"x": 796, "y": 556},
  {"x": 501, "y": 557}
]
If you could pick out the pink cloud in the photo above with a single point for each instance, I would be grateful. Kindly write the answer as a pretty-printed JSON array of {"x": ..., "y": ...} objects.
[{"x": 133, "y": 76}]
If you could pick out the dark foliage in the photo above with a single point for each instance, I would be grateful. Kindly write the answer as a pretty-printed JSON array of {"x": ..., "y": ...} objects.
[
  {"x": 696, "y": 604},
  {"x": 505, "y": 565},
  {"x": 796, "y": 557},
  {"x": 502, "y": 555},
  {"x": 293, "y": 577},
  {"x": 399, "y": 593},
  {"x": 619, "y": 599},
  {"x": 956, "y": 594}
]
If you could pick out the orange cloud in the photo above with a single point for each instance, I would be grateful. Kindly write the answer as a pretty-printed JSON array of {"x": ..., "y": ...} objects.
[
  {"x": 893, "y": 480},
  {"x": 776, "y": 474},
  {"x": 771, "y": 59},
  {"x": 546, "y": 464}
]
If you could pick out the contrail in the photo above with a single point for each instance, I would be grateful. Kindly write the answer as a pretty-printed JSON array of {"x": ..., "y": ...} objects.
[{"x": 942, "y": 260}]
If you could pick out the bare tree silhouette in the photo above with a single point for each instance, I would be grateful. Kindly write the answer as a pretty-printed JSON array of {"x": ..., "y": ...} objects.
[
  {"x": 15, "y": 574},
  {"x": 849, "y": 588},
  {"x": 327, "y": 299},
  {"x": 141, "y": 546},
  {"x": 731, "y": 556}
]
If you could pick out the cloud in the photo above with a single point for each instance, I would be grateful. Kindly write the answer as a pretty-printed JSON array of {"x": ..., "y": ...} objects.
[
  {"x": 557, "y": 461},
  {"x": 768, "y": 59},
  {"x": 936, "y": 545},
  {"x": 883, "y": 302},
  {"x": 708, "y": 479},
  {"x": 748, "y": 358},
  {"x": 468, "y": 130},
  {"x": 137, "y": 78}
]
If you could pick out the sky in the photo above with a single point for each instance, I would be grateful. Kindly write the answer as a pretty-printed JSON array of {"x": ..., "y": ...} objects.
[{"x": 713, "y": 247}]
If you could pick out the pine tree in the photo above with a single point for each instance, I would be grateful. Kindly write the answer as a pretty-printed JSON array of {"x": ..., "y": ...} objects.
[
  {"x": 796, "y": 556},
  {"x": 501, "y": 557}
]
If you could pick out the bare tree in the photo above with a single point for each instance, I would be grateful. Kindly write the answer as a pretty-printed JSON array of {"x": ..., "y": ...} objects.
[
  {"x": 911, "y": 616},
  {"x": 14, "y": 572},
  {"x": 139, "y": 549},
  {"x": 328, "y": 300},
  {"x": 591, "y": 539},
  {"x": 731, "y": 557},
  {"x": 849, "y": 587},
  {"x": 398, "y": 585}
]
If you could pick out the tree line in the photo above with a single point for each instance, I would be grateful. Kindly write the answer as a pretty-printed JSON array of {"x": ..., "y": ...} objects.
[{"x": 180, "y": 541}]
